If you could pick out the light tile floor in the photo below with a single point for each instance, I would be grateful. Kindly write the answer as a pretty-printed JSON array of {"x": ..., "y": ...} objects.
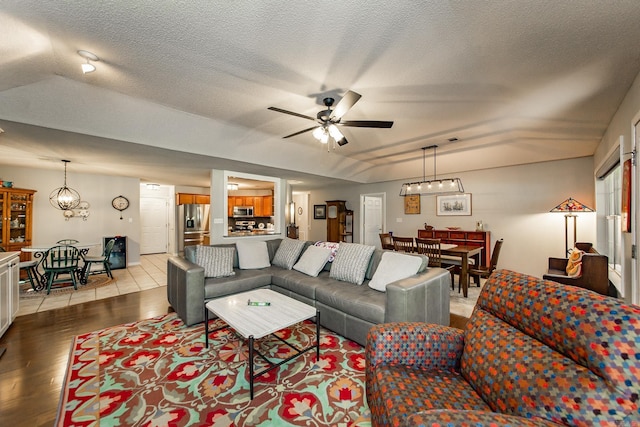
[{"x": 151, "y": 273}]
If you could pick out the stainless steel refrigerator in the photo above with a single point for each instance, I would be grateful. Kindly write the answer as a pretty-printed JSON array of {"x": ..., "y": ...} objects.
[{"x": 193, "y": 225}]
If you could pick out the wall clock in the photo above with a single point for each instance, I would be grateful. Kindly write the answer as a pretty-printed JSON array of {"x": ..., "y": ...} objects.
[
  {"x": 300, "y": 210},
  {"x": 120, "y": 203}
]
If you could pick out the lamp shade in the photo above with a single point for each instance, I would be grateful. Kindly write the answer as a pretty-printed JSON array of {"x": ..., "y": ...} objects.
[{"x": 571, "y": 205}]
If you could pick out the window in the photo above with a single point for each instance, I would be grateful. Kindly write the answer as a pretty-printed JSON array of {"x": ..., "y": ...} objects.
[{"x": 611, "y": 196}]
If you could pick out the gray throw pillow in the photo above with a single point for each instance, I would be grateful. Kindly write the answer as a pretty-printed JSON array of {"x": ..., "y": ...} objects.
[
  {"x": 288, "y": 253},
  {"x": 352, "y": 260},
  {"x": 394, "y": 266},
  {"x": 217, "y": 262},
  {"x": 252, "y": 254},
  {"x": 313, "y": 260}
]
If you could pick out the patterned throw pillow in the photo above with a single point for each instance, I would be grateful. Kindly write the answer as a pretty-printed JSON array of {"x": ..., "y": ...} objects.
[
  {"x": 288, "y": 253},
  {"x": 574, "y": 265},
  {"x": 330, "y": 245},
  {"x": 352, "y": 260},
  {"x": 217, "y": 262}
]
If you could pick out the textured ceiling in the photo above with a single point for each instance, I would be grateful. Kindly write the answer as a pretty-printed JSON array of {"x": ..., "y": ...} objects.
[{"x": 515, "y": 81}]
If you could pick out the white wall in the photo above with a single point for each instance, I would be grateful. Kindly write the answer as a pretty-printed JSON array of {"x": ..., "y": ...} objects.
[
  {"x": 512, "y": 202},
  {"x": 49, "y": 224}
]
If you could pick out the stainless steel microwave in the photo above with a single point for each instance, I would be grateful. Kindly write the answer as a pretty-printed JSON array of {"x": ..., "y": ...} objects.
[{"x": 242, "y": 211}]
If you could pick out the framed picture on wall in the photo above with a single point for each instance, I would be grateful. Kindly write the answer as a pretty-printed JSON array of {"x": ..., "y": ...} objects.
[
  {"x": 319, "y": 211},
  {"x": 454, "y": 205},
  {"x": 412, "y": 204}
]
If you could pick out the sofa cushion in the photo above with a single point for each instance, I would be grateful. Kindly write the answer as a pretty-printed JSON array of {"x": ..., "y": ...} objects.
[
  {"x": 394, "y": 266},
  {"x": 288, "y": 253},
  {"x": 401, "y": 391},
  {"x": 313, "y": 260},
  {"x": 554, "y": 340},
  {"x": 242, "y": 281},
  {"x": 217, "y": 262},
  {"x": 351, "y": 262},
  {"x": 252, "y": 254},
  {"x": 300, "y": 283},
  {"x": 354, "y": 300}
]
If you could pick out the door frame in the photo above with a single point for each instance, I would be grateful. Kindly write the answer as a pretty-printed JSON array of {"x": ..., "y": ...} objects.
[{"x": 383, "y": 196}]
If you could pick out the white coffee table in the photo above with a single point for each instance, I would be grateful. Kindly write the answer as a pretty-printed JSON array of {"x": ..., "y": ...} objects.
[{"x": 255, "y": 322}]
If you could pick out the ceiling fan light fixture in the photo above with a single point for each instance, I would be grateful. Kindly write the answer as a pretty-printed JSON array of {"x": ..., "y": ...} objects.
[
  {"x": 318, "y": 132},
  {"x": 335, "y": 132}
]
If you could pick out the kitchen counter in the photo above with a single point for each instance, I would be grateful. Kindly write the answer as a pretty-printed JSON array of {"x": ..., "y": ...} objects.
[{"x": 252, "y": 233}]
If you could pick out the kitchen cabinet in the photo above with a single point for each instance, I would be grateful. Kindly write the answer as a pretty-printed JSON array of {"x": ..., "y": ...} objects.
[
  {"x": 16, "y": 207},
  {"x": 461, "y": 237},
  {"x": 9, "y": 290},
  {"x": 337, "y": 214},
  {"x": 192, "y": 199},
  {"x": 262, "y": 205}
]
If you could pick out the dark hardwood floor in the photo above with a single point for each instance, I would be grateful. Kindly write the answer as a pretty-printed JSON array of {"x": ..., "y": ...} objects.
[{"x": 37, "y": 348}]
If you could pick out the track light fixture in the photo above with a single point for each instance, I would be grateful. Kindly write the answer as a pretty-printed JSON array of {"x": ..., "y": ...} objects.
[
  {"x": 433, "y": 186},
  {"x": 88, "y": 67}
]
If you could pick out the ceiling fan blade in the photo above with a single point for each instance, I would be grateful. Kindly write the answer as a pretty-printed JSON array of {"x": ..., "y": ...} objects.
[
  {"x": 345, "y": 104},
  {"x": 342, "y": 141},
  {"x": 366, "y": 124},
  {"x": 298, "y": 133},
  {"x": 280, "y": 110}
]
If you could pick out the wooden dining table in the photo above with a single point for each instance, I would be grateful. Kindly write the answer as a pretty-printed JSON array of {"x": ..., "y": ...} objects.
[
  {"x": 39, "y": 252},
  {"x": 464, "y": 253}
]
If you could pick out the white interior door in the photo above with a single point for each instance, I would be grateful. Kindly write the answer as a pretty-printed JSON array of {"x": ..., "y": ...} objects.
[
  {"x": 301, "y": 201},
  {"x": 154, "y": 214},
  {"x": 372, "y": 220}
]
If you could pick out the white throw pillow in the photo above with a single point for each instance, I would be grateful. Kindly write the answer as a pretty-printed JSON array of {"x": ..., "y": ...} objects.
[
  {"x": 216, "y": 261},
  {"x": 313, "y": 260},
  {"x": 394, "y": 266},
  {"x": 288, "y": 253},
  {"x": 252, "y": 254},
  {"x": 352, "y": 260}
]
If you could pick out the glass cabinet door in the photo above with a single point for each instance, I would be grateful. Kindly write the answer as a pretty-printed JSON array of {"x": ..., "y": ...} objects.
[{"x": 18, "y": 217}]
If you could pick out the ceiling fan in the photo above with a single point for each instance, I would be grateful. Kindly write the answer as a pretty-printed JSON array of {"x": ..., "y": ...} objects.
[{"x": 328, "y": 120}]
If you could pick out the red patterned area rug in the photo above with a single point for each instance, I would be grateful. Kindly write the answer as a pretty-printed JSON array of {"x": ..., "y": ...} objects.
[{"x": 156, "y": 372}]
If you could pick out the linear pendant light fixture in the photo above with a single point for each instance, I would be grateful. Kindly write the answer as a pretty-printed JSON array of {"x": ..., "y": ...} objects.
[
  {"x": 435, "y": 186},
  {"x": 64, "y": 198}
]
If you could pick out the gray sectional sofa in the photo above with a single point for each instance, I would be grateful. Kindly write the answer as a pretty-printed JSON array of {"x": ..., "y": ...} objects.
[{"x": 345, "y": 308}]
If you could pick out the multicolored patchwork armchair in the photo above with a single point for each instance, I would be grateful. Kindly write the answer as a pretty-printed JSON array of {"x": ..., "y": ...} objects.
[{"x": 534, "y": 352}]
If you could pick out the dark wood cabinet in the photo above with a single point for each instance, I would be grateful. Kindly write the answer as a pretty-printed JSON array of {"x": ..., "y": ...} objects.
[
  {"x": 339, "y": 222},
  {"x": 16, "y": 208},
  {"x": 461, "y": 237}
]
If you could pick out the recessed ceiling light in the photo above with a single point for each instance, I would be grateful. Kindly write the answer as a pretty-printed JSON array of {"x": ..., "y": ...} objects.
[{"x": 88, "y": 67}]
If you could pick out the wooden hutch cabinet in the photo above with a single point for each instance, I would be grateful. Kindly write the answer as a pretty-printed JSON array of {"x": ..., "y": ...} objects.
[
  {"x": 16, "y": 227},
  {"x": 339, "y": 222},
  {"x": 460, "y": 237}
]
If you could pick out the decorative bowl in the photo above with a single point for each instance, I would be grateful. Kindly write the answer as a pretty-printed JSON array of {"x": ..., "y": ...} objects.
[{"x": 453, "y": 228}]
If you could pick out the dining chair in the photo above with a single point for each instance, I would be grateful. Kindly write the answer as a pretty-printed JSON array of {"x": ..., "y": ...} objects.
[
  {"x": 403, "y": 244},
  {"x": 485, "y": 271},
  {"x": 67, "y": 242},
  {"x": 30, "y": 268},
  {"x": 431, "y": 248},
  {"x": 101, "y": 259},
  {"x": 59, "y": 260},
  {"x": 386, "y": 241}
]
